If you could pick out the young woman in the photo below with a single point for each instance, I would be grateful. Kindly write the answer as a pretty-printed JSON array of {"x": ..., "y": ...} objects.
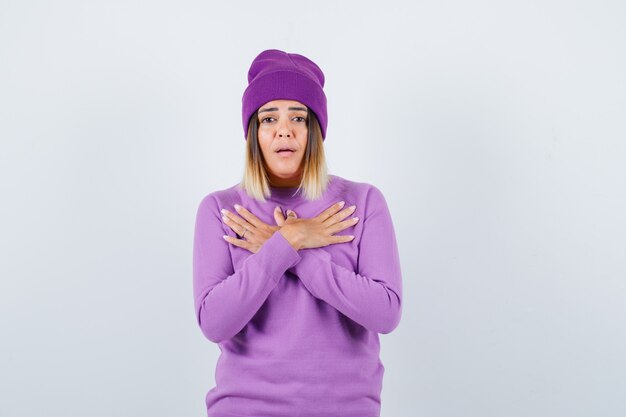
[{"x": 295, "y": 271}]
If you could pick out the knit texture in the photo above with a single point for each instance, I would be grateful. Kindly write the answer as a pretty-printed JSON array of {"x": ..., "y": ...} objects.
[
  {"x": 297, "y": 329},
  {"x": 279, "y": 75}
]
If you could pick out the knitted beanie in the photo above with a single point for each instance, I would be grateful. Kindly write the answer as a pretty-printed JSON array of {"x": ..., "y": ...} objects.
[{"x": 278, "y": 75}]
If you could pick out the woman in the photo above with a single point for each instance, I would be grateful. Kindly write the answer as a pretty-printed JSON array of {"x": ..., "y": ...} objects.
[{"x": 294, "y": 302}]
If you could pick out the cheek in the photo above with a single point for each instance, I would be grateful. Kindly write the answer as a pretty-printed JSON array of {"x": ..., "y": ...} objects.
[
  {"x": 264, "y": 141},
  {"x": 303, "y": 140},
  {"x": 261, "y": 132}
]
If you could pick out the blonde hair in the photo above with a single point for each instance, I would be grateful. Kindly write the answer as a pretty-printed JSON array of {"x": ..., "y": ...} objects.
[{"x": 315, "y": 173}]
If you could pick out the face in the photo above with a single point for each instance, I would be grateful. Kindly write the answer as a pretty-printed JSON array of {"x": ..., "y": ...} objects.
[{"x": 283, "y": 125}]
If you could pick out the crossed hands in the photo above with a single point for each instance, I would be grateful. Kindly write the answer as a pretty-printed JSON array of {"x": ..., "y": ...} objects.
[{"x": 300, "y": 233}]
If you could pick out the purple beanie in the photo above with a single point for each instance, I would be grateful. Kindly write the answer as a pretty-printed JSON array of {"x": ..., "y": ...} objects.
[{"x": 278, "y": 75}]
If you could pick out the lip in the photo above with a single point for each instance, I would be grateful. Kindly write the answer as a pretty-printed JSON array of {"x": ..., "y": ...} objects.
[{"x": 286, "y": 154}]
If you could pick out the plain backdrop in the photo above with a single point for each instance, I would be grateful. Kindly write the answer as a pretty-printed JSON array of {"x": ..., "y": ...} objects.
[{"x": 495, "y": 130}]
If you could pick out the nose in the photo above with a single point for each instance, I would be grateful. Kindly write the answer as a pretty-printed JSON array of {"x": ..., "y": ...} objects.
[{"x": 284, "y": 130}]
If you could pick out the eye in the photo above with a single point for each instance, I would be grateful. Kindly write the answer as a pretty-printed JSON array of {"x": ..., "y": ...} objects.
[
  {"x": 300, "y": 117},
  {"x": 265, "y": 118}
]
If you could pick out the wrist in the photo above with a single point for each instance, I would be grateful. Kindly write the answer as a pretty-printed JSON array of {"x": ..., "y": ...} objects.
[{"x": 290, "y": 235}]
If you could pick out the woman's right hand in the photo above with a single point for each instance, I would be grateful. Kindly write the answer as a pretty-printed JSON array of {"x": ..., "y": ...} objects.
[{"x": 319, "y": 231}]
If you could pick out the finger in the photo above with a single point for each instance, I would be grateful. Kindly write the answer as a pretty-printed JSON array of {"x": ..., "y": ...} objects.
[
  {"x": 342, "y": 238},
  {"x": 250, "y": 218},
  {"x": 235, "y": 222},
  {"x": 340, "y": 215},
  {"x": 291, "y": 213},
  {"x": 238, "y": 242},
  {"x": 278, "y": 216},
  {"x": 323, "y": 216},
  {"x": 338, "y": 227}
]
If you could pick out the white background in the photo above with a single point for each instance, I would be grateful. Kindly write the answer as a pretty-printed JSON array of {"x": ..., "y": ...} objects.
[{"x": 495, "y": 129}]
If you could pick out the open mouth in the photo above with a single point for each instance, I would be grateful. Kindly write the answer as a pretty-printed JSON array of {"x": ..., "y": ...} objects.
[{"x": 285, "y": 151}]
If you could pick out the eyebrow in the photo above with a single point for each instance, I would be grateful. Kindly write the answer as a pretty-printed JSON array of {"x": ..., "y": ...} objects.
[{"x": 276, "y": 108}]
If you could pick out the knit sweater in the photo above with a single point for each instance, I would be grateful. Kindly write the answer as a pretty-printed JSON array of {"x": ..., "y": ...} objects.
[{"x": 297, "y": 329}]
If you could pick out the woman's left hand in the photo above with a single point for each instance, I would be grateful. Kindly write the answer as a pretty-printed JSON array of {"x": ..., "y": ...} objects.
[{"x": 253, "y": 231}]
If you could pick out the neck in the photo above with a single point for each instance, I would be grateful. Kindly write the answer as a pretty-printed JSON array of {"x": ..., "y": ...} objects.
[{"x": 284, "y": 182}]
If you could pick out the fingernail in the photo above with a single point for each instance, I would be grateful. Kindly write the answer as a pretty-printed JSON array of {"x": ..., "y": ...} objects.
[
  {"x": 341, "y": 203},
  {"x": 277, "y": 208},
  {"x": 237, "y": 206}
]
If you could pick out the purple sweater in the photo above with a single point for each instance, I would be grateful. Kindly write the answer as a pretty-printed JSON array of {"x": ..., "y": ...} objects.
[{"x": 297, "y": 329}]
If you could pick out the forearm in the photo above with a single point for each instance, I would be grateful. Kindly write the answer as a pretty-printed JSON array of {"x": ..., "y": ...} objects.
[
  {"x": 224, "y": 306},
  {"x": 368, "y": 300}
]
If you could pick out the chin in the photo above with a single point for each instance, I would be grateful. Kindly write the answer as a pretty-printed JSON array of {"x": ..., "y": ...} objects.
[{"x": 286, "y": 173}]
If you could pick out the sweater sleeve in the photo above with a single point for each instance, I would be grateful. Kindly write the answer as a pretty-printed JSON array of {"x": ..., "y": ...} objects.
[
  {"x": 371, "y": 297},
  {"x": 225, "y": 300}
]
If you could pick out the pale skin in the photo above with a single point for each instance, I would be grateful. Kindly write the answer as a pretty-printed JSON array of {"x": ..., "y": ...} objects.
[{"x": 285, "y": 125}]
